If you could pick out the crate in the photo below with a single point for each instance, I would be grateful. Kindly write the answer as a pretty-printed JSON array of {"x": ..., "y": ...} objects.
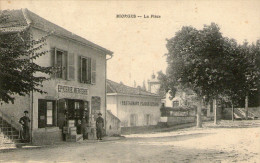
[
  {"x": 65, "y": 130},
  {"x": 73, "y": 130},
  {"x": 71, "y": 123},
  {"x": 74, "y": 138}
]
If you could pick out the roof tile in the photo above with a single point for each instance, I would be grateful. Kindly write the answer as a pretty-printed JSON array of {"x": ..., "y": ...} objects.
[
  {"x": 18, "y": 18},
  {"x": 113, "y": 87}
]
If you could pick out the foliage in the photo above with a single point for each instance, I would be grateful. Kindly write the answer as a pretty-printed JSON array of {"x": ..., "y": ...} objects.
[
  {"x": 17, "y": 52},
  {"x": 211, "y": 65}
]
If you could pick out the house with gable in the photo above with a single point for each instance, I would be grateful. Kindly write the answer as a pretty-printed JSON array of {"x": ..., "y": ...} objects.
[{"x": 76, "y": 92}]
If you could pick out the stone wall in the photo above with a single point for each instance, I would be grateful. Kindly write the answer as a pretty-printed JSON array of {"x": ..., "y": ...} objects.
[
  {"x": 170, "y": 121},
  {"x": 112, "y": 124}
]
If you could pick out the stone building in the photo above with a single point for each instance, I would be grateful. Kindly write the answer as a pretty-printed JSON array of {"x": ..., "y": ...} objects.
[
  {"x": 133, "y": 106},
  {"x": 77, "y": 91}
]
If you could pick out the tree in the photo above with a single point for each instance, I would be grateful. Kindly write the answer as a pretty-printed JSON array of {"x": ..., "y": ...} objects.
[
  {"x": 197, "y": 60},
  {"x": 211, "y": 65},
  {"x": 17, "y": 75},
  {"x": 244, "y": 73}
]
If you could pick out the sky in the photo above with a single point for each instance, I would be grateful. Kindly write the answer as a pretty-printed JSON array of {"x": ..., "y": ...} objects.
[{"x": 139, "y": 44}]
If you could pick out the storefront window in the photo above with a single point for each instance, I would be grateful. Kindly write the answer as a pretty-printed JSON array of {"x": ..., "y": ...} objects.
[
  {"x": 49, "y": 113},
  {"x": 76, "y": 105}
]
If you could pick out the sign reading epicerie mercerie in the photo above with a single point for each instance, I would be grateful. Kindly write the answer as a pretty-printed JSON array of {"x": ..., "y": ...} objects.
[
  {"x": 70, "y": 89},
  {"x": 139, "y": 103}
]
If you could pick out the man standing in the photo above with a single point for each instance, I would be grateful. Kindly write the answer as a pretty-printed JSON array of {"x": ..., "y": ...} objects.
[
  {"x": 25, "y": 122},
  {"x": 99, "y": 126}
]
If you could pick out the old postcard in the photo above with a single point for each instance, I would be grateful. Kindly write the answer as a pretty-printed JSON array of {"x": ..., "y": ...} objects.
[{"x": 129, "y": 81}]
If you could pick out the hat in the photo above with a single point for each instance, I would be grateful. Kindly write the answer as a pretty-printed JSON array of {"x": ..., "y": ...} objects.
[
  {"x": 26, "y": 111},
  {"x": 99, "y": 114}
]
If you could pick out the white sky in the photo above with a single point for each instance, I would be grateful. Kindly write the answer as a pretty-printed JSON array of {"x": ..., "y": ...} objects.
[{"x": 139, "y": 44}]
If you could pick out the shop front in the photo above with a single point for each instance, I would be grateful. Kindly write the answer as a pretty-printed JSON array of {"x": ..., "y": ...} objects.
[{"x": 67, "y": 116}]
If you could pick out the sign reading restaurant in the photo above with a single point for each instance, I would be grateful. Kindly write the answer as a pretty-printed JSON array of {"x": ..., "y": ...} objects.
[
  {"x": 70, "y": 89},
  {"x": 139, "y": 103}
]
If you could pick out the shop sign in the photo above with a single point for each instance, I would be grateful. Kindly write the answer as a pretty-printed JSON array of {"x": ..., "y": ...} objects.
[
  {"x": 139, "y": 103},
  {"x": 70, "y": 89}
]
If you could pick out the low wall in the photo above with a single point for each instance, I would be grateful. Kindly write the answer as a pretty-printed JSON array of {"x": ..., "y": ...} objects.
[
  {"x": 227, "y": 112},
  {"x": 177, "y": 120},
  {"x": 112, "y": 124},
  {"x": 137, "y": 129},
  {"x": 48, "y": 135}
]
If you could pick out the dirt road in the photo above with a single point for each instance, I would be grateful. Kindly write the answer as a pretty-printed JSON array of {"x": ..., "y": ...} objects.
[{"x": 227, "y": 142}]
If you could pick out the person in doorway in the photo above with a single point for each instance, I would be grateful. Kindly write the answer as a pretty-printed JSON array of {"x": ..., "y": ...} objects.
[
  {"x": 25, "y": 122},
  {"x": 99, "y": 126}
]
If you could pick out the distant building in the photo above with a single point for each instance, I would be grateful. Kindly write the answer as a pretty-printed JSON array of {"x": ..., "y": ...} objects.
[
  {"x": 133, "y": 106},
  {"x": 153, "y": 85}
]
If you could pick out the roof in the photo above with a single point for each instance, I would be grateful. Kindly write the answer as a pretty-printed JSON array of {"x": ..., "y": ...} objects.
[
  {"x": 19, "y": 20},
  {"x": 113, "y": 87}
]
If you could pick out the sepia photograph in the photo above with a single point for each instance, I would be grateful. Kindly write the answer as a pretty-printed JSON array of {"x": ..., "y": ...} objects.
[{"x": 130, "y": 81}]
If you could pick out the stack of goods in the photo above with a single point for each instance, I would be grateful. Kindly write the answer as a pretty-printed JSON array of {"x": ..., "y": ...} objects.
[
  {"x": 91, "y": 132},
  {"x": 71, "y": 132}
]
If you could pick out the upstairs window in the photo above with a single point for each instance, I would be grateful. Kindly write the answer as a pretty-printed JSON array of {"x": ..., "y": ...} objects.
[
  {"x": 87, "y": 70},
  {"x": 60, "y": 64}
]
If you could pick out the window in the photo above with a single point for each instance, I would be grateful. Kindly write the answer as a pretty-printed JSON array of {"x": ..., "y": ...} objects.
[
  {"x": 87, "y": 70},
  {"x": 46, "y": 113},
  {"x": 60, "y": 63},
  {"x": 49, "y": 113},
  {"x": 175, "y": 104}
]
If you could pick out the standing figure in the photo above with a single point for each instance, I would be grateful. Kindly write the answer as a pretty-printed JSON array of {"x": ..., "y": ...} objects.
[
  {"x": 99, "y": 126},
  {"x": 25, "y": 122}
]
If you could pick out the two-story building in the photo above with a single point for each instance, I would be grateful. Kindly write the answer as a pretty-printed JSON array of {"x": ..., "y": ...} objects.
[{"x": 76, "y": 90}]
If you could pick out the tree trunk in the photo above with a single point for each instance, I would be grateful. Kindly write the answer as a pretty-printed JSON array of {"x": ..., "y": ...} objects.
[
  {"x": 215, "y": 110},
  {"x": 199, "y": 122},
  {"x": 246, "y": 106},
  {"x": 232, "y": 111}
]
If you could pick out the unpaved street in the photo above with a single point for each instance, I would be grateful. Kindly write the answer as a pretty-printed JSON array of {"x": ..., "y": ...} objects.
[{"x": 239, "y": 142}]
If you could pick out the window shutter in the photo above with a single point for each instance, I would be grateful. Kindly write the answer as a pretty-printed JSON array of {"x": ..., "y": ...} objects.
[
  {"x": 79, "y": 69},
  {"x": 89, "y": 71},
  {"x": 53, "y": 61},
  {"x": 65, "y": 65},
  {"x": 93, "y": 71},
  {"x": 71, "y": 68},
  {"x": 61, "y": 112}
]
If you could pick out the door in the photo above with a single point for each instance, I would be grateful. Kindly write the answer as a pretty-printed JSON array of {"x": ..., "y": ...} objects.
[
  {"x": 62, "y": 112},
  {"x": 133, "y": 120},
  {"x": 148, "y": 119},
  {"x": 42, "y": 105}
]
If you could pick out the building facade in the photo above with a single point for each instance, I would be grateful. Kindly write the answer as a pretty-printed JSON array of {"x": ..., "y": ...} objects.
[
  {"x": 133, "y": 106},
  {"x": 76, "y": 89}
]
